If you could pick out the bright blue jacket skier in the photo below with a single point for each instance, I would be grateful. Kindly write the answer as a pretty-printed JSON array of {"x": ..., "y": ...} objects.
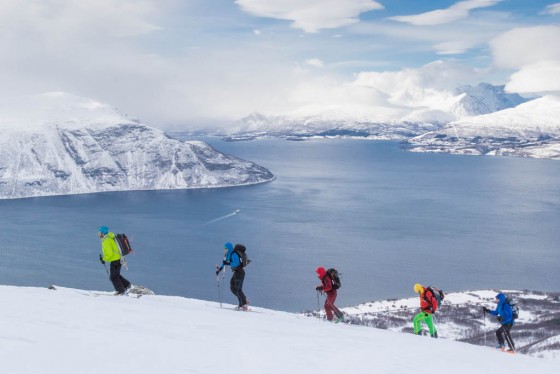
[
  {"x": 231, "y": 258},
  {"x": 505, "y": 316}
]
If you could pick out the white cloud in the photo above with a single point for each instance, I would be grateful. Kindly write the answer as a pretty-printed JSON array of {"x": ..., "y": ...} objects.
[
  {"x": 527, "y": 45},
  {"x": 535, "y": 53},
  {"x": 454, "y": 13},
  {"x": 453, "y": 47},
  {"x": 310, "y": 15},
  {"x": 424, "y": 86},
  {"x": 540, "y": 77},
  {"x": 552, "y": 9},
  {"x": 315, "y": 62}
]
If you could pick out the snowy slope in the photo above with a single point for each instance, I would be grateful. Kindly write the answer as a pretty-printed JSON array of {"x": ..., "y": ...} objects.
[
  {"x": 531, "y": 129},
  {"x": 66, "y": 331},
  {"x": 58, "y": 143},
  {"x": 536, "y": 331}
]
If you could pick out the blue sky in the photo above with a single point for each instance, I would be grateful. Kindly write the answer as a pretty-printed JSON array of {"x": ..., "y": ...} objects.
[{"x": 189, "y": 61}]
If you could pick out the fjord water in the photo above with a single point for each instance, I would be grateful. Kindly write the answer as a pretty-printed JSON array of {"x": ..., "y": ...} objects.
[{"x": 384, "y": 217}]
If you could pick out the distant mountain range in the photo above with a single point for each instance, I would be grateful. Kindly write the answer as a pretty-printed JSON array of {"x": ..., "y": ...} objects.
[
  {"x": 57, "y": 143},
  {"x": 421, "y": 113},
  {"x": 531, "y": 129},
  {"x": 481, "y": 120}
]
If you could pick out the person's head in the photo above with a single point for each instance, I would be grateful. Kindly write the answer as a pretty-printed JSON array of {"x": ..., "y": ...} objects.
[
  {"x": 321, "y": 272},
  {"x": 228, "y": 247},
  {"x": 418, "y": 288},
  {"x": 500, "y": 297},
  {"x": 103, "y": 230}
]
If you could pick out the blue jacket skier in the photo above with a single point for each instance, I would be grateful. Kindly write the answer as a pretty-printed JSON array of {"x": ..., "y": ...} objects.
[
  {"x": 232, "y": 259},
  {"x": 505, "y": 316}
]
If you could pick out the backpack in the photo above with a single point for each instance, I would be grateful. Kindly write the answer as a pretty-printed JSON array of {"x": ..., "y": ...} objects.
[
  {"x": 335, "y": 278},
  {"x": 240, "y": 249},
  {"x": 438, "y": 294},
  {"x": 123, "y": 244},
  {"x": 514, "y": 308}
]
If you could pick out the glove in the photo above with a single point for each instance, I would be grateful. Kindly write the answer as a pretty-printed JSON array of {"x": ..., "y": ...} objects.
[
  {"x": 101, "y": 260},
  {"x": 319, "y": 288},
  {"x": 225, "y": 262},
  {"x": 485, "y": 309}
]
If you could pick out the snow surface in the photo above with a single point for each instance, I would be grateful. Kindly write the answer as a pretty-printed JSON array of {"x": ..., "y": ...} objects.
[{"x": 74, "y": 331}]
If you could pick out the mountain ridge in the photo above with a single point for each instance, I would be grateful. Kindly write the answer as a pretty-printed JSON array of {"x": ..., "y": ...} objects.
[{"x": 75, "y": 145}]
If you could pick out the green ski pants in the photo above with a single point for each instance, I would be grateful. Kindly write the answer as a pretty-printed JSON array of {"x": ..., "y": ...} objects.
[{"x": 426, "y": 317}]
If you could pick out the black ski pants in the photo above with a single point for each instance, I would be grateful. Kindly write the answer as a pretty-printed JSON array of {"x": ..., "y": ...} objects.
[
  {"x": 504, "y": 331},
  {"x": 119, "y": 282},
  {"x": 236, "y": 285}
]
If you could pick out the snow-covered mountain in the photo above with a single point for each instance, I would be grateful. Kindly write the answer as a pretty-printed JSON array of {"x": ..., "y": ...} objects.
[
  {"x": 483, "y": 98},
  {"x": 73, "y": 331},
  {"x": 531, "y": 129},
  {"x": 408, "y": 114},
  {"x": 57, "y": 143}
]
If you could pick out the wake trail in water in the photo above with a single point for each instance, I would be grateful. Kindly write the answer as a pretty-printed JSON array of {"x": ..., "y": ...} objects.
[{"x": 220, "y": 218}]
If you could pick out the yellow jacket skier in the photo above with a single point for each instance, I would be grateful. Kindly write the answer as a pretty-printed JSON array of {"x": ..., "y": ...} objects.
[{"x": 112, "y": 255}]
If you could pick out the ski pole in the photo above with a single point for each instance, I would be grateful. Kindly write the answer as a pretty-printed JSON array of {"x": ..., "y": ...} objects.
[
  {"x": 318, "y": 303},
  {"x": 219, "y": 289},
  {"x": 105, "y": 266},
  {"x": 434, "y": 321},
  {"x": 484, "y": 319}
]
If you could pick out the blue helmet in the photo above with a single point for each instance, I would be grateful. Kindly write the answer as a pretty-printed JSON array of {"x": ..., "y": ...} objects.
[{"x": 104, "y": 230}]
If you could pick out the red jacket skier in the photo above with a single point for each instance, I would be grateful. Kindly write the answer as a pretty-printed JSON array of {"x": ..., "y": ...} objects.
[{"x": 327, "y": 287}]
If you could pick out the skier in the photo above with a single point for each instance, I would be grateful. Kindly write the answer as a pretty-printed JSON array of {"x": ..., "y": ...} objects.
[
  {"x": 232, "y": 259},
  {"x": 505, "y": 317},
  {"x": 327, "y": 287},
  {"x": 112, "y": 255},
  {"x": 428, "y": 306}
]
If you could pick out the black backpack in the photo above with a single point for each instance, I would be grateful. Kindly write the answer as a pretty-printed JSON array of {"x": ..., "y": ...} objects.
[
  {"x": 438, "y": 294},
  {"x": 335, "y": 278},
  {"x": 241, "y": 252},
  {"x": 123, "y": 244},
  {"x": 514, "y": 308}
]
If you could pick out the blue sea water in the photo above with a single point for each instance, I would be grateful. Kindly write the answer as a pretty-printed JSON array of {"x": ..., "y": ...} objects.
[{"x": 385, "y": 218}]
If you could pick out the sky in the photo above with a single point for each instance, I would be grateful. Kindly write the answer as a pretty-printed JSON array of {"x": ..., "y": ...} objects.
[{"x": 190, "y": 63}]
